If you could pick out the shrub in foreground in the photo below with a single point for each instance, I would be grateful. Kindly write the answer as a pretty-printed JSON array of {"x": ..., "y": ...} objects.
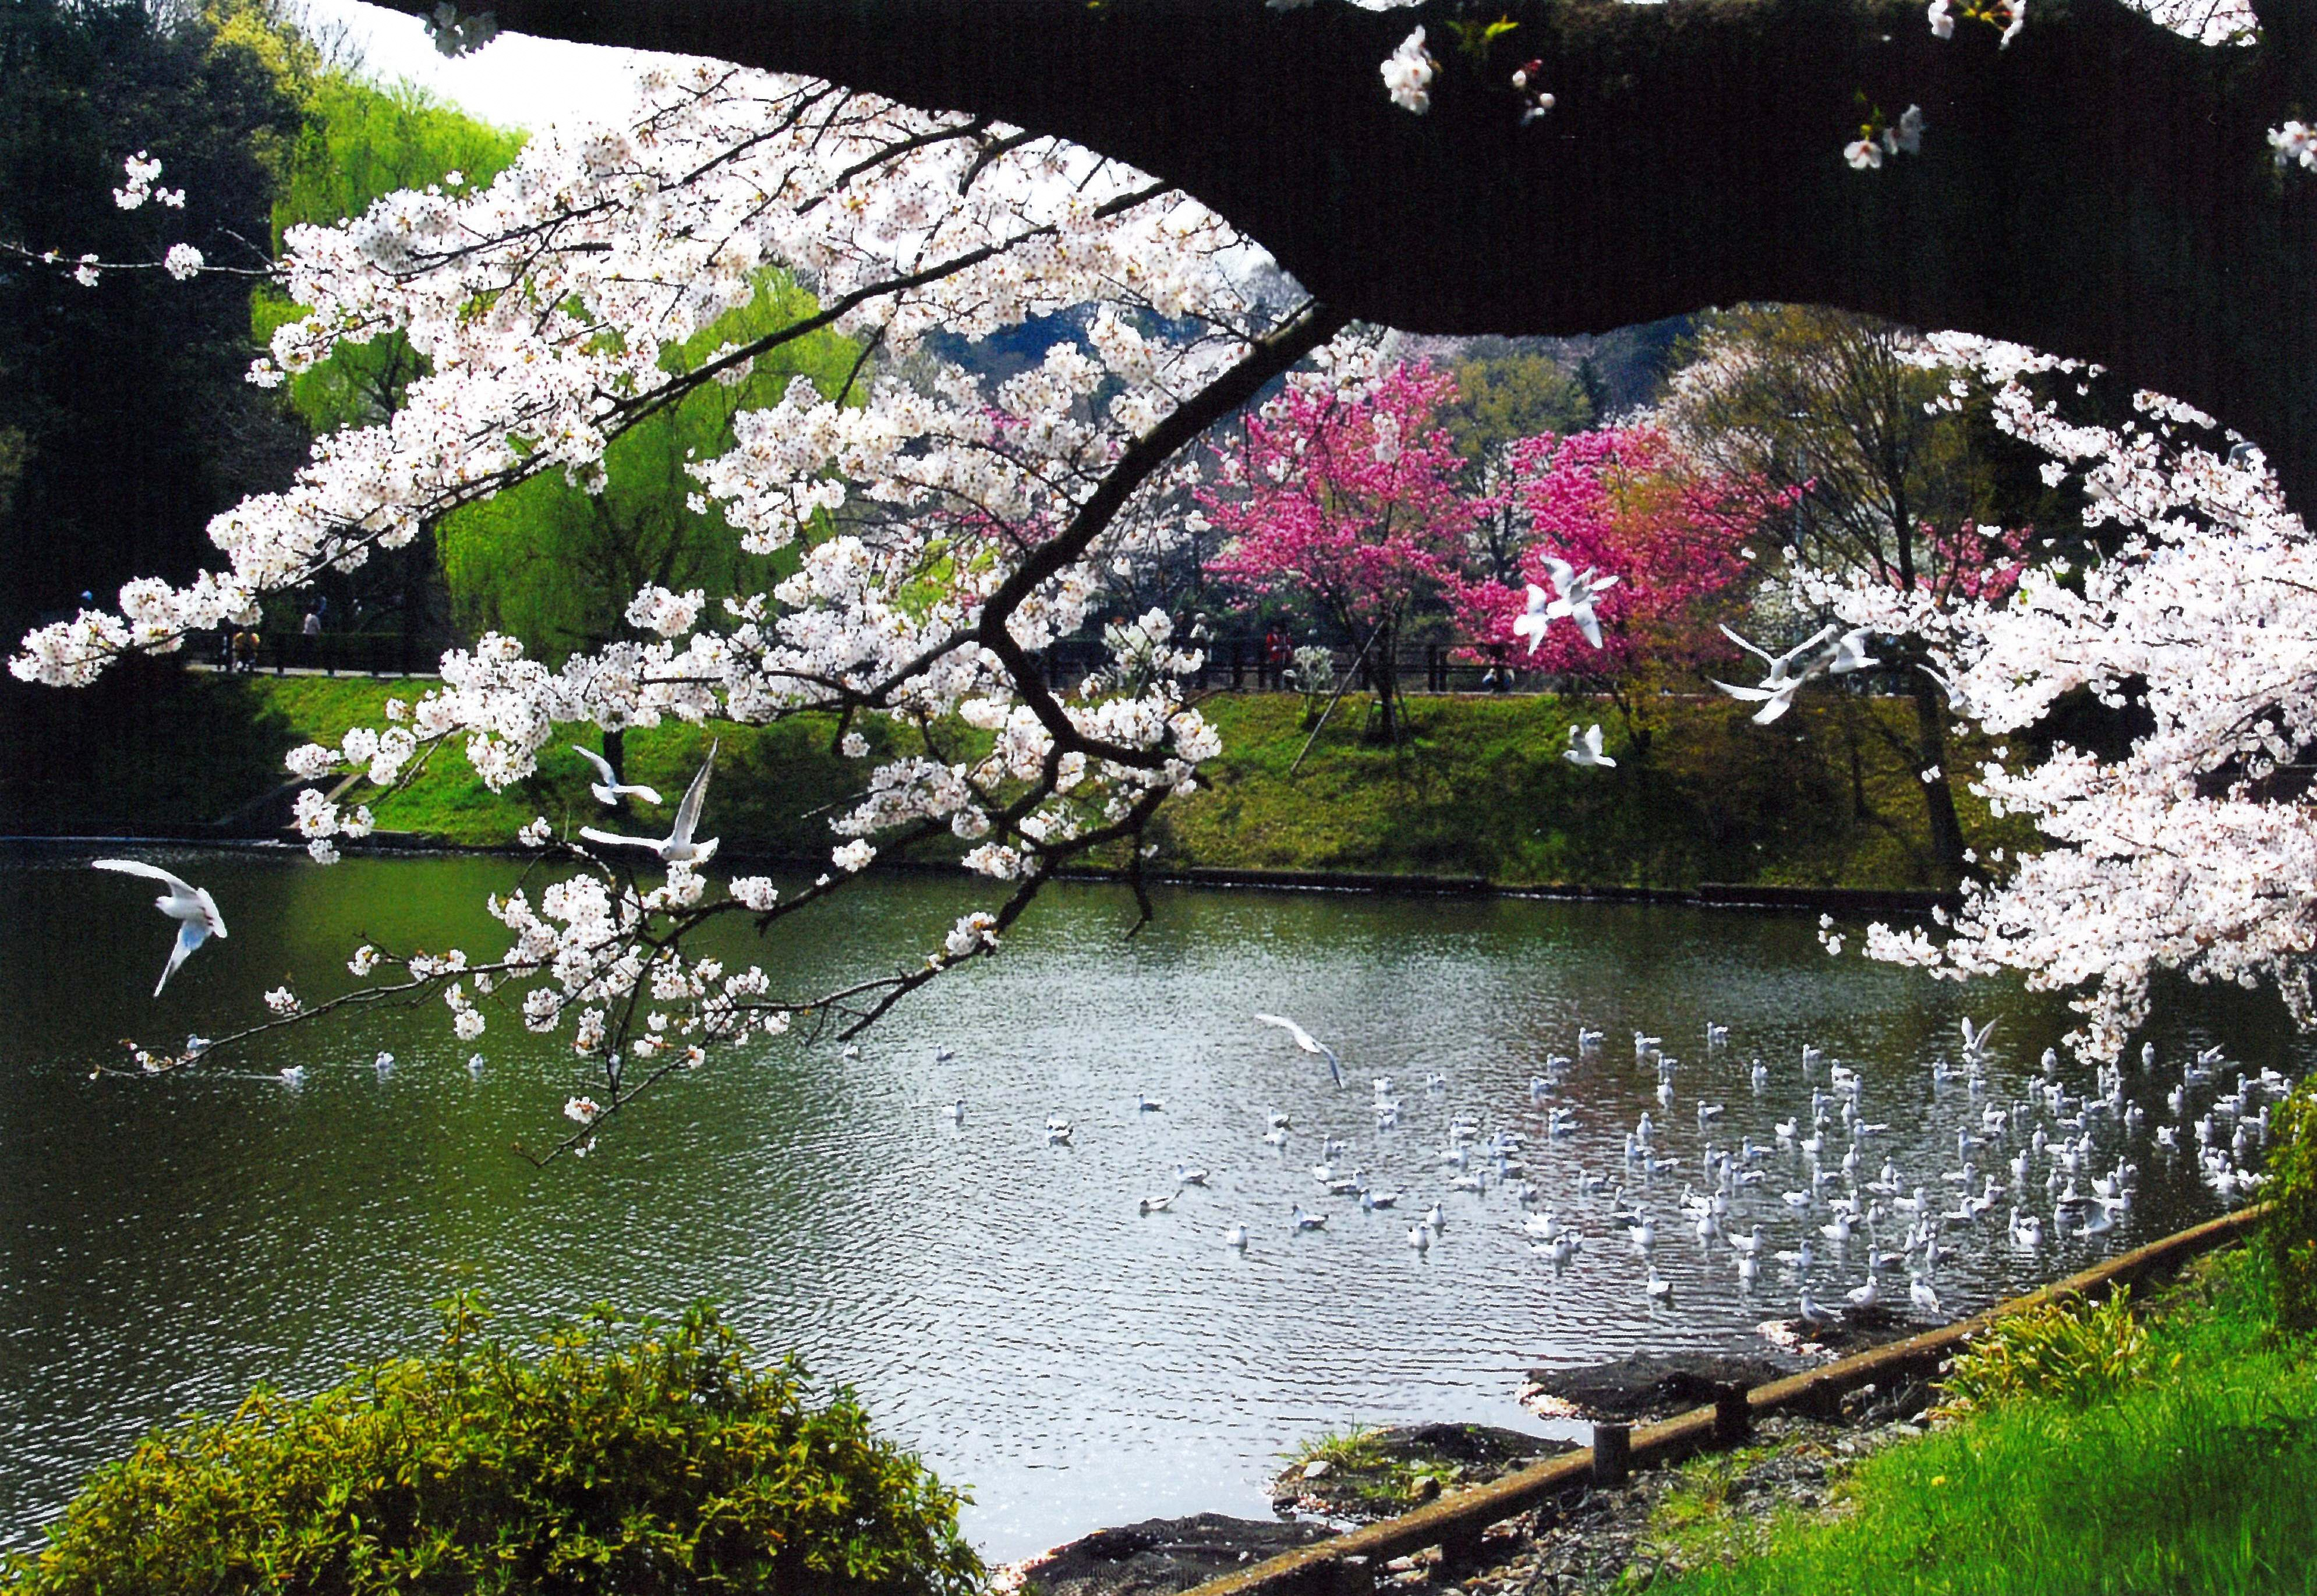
[
  {"x": 2291, "y": 1231},
  {"x": 2072, "y": 1350},
  {"x": 640, "y": 1458}
]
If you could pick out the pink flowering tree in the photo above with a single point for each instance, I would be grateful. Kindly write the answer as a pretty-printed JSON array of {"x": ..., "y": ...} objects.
[
  {"x": 1625, "y": 502},
  {"x": 1349, "y": 505}
]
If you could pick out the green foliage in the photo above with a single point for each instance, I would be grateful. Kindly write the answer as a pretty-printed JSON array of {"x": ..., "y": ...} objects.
[
  {"x": 361, "y": 143},
  {"x": 1822, "y": 800},
  {"x": 2197, "y": 1481},
  {"x": 632, "y": 1457},
  {"x": 556, "y": 565},
  {"x": 1482, "y": 789},
  {"x": 124, "y": 408},
  {"x": 1360, "y": 1446},
  {"x": 2074, "y": 1351},
  {"x": 776, "y": 785},
  {"x": 2290, "y": 1236},
  {"x": 1515, "y": 393},
  {"x": 1706, "y": 1514}
]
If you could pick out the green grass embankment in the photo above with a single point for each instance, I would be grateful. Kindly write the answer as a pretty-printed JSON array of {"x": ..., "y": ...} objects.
[
  {"x": 1826, "y": 798},
  {"x": 2196, "y": 1476}
]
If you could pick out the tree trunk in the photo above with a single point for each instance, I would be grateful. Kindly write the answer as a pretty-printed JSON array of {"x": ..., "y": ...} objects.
[
  {"x": 2101, "y": 188},
  {"x": 1939, "y": 796},
  {"x": 615, "y": 754},
  {"x": 1383, "y": 667}
]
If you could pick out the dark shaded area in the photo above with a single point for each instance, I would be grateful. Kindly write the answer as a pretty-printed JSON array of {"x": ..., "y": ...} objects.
[
  {"x": 1649, "y": 1385},
  {"x": 2103, "y": 188},
  {"x": 1162, "y": 1556},
  {"x": 125, "y": 420},
  {"x": 150, "y": 748},
  {"x": 2078, "y": 719}
]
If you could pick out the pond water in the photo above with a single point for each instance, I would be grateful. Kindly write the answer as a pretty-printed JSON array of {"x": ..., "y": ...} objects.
[{"x": 998, "y": 1302}]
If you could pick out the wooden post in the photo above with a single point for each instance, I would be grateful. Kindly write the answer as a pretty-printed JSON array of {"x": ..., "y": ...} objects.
[
  {"x": 1613, "y": 1453},
  {"x": 1733, "y": 1420}
]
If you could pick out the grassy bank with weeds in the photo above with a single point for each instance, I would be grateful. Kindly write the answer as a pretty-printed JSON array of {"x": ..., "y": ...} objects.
[
  {"x": 2179, "y": 1457},
  {"x": 1826, "y": 798}
]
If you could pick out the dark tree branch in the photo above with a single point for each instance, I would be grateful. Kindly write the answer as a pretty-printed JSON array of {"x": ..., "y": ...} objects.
[{"x": 2101, "y": 188}]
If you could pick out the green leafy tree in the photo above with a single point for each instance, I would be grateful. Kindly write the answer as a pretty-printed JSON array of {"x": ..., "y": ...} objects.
[
  {"x": 556, "y": 565},
  {"x": 1891, "y": 480},
  {"x": 1505, "y": 391},
  {"x": 126, "y": 417},
  {"x": 359, "y": 143}
]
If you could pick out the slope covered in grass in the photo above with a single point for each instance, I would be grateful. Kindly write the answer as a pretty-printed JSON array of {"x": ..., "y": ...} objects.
[
  {"x": 2196, "y": 1476},
  {"x": 1822, "y": 799},
  {"x": 1825, "y": 798}
]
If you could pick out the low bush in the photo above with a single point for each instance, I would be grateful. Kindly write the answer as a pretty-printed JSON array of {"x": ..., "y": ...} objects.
[
  {"x": 2074, "y": 1351},
  {"x": 636, "y": 1457},
  {"x": 2290, "y": 1234}
]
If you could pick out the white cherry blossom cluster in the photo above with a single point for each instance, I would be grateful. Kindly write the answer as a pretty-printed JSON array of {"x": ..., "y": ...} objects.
[
  {"x": 941, "y": 533},
  {"x": 1877, "y": 139},
  {"x": 1407, "y": 74},
  {"x": 2294, "y": 144},
  {"x": 2193, "y": 850},
  {"x": 143, "y": 171}
]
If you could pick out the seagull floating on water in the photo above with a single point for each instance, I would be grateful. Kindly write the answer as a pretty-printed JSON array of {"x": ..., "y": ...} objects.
[{"x": 193, "y": 909}]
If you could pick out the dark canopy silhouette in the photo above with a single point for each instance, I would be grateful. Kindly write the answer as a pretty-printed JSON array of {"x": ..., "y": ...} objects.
[{"x": 2102, "y": 189}]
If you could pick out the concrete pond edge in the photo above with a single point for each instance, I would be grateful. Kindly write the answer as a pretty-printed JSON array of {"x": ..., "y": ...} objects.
[{"x": 1456, "y": 1522}]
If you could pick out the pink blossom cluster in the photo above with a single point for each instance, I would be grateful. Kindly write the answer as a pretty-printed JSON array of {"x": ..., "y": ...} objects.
[{"x": 1625, "y": 502}]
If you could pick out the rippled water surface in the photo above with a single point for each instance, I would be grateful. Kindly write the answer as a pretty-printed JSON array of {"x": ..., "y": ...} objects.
[{"x": 1000, "y": 1303}]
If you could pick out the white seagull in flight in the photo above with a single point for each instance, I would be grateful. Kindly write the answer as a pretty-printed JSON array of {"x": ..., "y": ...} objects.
[
  {"x": 1850, "y": 653},
  {"x": 677, "y": 847},
  {"x": 611, "y": 789},
  {"x": 1533, "y": 622},
  {"x": 1577, "y": 593},
  {"x": 1308, "y": 1042},
  {"x": 1588, "y": 751},
  {"x": 193, "y": 909},
  {"x": 1776, "y": 693}
]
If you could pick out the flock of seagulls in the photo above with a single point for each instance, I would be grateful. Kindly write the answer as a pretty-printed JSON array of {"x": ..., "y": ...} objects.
[
  {"x": 1572, "y": 601},
  {"x": 1827, "y": 652},
  {"x": 675, "y": 848},
  {"x": 2054, "y": 1160},
  {"x": 1816, "y": 1207}
]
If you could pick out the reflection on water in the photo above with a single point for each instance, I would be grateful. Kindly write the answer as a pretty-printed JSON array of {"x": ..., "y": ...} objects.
[{"x": 998, "y": 1301}]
